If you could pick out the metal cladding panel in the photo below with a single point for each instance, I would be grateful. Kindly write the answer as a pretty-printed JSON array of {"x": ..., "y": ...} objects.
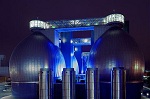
[
  {"x": 99, "y": 30},
  {"x": 34, "y": 52},
  {"x": 115, "y": 48}
]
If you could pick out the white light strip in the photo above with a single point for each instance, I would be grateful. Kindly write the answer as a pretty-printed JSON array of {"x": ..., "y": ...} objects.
[
  {"x": 77, "y": 23},
  {"x": 38, "y": 24},
  {"x": 81, "y": 41},
  {"x": 114, "y": 18}
]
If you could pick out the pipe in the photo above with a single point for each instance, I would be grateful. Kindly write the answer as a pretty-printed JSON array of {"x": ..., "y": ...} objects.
[
  {"x": 118, "y": 83},
  {"x": 45, "y": 84},
  {"x": 92, "y": 83},
  {"x": 68, "y": 83}
]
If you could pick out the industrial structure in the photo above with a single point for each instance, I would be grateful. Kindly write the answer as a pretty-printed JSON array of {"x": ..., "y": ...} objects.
[{"x": 81, "y": 54}]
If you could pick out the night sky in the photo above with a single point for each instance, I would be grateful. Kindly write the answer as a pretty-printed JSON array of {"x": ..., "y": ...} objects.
[{"x": 16, "y": 14}]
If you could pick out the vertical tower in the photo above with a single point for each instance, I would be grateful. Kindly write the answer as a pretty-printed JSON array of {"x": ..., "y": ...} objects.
[
  {"x": 45, "y": 84},
  {"x": 68, "y": 83},
  {"x": 118, "y": 83},
  {"x": 92, "y": 83}
]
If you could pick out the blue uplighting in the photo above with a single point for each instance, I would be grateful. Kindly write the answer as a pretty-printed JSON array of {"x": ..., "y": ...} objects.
[
  {"x": 67, "y": 43},
  {"x": 74, "y": 29}
]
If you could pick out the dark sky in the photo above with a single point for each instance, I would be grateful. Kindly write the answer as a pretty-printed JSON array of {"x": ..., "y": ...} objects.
[{"x": 16, "y": 14}]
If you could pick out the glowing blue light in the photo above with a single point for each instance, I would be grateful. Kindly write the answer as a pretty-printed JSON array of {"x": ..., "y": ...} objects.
[
  {"x": 85, "y": 40},
  {"x": 59, "y": 41},
  {"x": 75, "y": 49},
  {"x": 59, "y": 62},
  {"x": 74, "y": 29},
  {"x": 82, "y": 71},
  {"x": 81, "y": 41},
  {"x": 75, "y": 65},
  {"x": 64, "y": 40},
  {"x": 72, "y": 54},
  {"x": 71, "y": 41},
  {"x": 74, "y": 61}
]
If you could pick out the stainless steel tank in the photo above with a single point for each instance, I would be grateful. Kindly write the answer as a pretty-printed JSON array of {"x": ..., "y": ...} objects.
[
  {"x": 34, "y": 52},
  {"x": 116, "y": 48},
  {"x": 92, "y": 83},
  {"x": 45, "y": 84},
  {"x": 118, "y": 83},
  {"x": 68, "y": 83}
]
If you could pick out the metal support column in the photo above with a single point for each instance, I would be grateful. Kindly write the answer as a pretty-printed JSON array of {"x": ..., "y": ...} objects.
[
  {"x": 68, "y": 83},
  {"x": 118, "y": 83},
  {"x": 92, "y": 83},
  {"x": 45, "y": 84}
]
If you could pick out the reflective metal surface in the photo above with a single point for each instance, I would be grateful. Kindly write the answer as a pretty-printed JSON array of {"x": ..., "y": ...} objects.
[
  {"x": 45, "y": 84},
  {"x": 68, "y": 83},
  {"x": 117, "y": 48},
  {"x": 34, "y": 52},
  {"x": 118, "y": 83},
  {"x": 92, "y": 83}
]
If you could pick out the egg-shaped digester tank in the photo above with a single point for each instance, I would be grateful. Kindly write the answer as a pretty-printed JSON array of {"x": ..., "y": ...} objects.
[
  {"x": 116, "y": 48},
  {"x": 34, "y": 52}
]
